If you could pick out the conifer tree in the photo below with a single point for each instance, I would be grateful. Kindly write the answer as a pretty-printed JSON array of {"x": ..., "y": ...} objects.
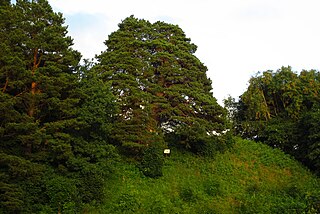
[
  {"x": 52, "y": 144},
  {"x": 161, "y": 86}
]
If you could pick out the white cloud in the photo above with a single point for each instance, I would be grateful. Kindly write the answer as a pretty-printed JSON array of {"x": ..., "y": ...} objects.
[{"x": 235, "y": 38}]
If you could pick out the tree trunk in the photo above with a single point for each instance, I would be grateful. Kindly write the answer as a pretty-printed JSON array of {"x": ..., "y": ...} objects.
[{"x": 36, "y": 63}]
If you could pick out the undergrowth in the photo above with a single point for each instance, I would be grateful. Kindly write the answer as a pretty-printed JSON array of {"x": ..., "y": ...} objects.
[{"x": 250, "y": 178}]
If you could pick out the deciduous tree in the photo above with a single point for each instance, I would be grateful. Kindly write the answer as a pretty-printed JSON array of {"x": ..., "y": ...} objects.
[{"x": 275, "y": 106}]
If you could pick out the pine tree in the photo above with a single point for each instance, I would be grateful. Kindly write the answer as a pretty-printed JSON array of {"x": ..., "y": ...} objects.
[
  {"x": 50, "y": 135},
  {"x": 37, "y": 81},
  {"x": 160, "y": 84}
]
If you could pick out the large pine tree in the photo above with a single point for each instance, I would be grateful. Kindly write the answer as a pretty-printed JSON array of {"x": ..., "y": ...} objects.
[
  {"x": 53, "y": 143},
  {"x": 161, "y": 86}
]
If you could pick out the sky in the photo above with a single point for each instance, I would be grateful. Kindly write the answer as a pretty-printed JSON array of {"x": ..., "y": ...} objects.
[{"x": 235, "y": 38}]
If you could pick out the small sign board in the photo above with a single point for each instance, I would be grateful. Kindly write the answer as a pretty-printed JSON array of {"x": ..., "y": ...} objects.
[{"x": 166, "y": 152}]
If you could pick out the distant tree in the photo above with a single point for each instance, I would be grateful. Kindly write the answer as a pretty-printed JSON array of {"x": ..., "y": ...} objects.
[
  {"x": 50, "y": 128},
  {"x": 275, "y": 106},
  {"x": 160, "y": 85},
  {"x": 309, "y": 139}
]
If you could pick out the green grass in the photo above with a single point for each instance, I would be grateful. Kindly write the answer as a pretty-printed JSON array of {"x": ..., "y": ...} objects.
[{"x": 250, "y": 178}]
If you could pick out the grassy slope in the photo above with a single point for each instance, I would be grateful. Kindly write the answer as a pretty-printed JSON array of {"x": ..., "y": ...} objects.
[{"x": 251, "y": 178}]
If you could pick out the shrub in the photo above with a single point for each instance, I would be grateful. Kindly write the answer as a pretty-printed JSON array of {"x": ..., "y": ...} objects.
[
  {"x": 62, "y": 193},
  {"x": 127, "y": 203},
  {"x": 132, "y": 149},
  {"x": 91, "y": 187},
  {"x": 187, "y": 194},
  {"x": 152, "y": 162}
]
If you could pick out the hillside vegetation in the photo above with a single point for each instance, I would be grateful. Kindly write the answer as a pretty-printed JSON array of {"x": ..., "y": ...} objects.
[
  {"x": 88, "y": 137},
  {"x": 250, "y": 178},
  {"x": 282, "y": 109}
]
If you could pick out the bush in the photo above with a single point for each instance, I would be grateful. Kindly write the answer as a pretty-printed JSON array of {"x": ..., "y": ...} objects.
[
  {"x": 209, "y": 146},
  {"x": 197, "y": 140},
  {"x": 127, "y": 203},
  {"x": 62, "y": 193},
  {"x": 20, "y": 184},
  {"x": 132, "y": 149},
  {"x": 187, "y": 194},
  {"x": 152, "y": 162},
  {"x": 91, "y": 187}
]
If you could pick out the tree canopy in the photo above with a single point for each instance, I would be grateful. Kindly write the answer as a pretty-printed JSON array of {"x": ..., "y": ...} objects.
[
  {"x": 58, "y": 118},
  {"x": 161, "y": 86},
  {"x": 281, "y": 109},
  {"x": 64, "y": 125},
  {"x": 52, "y": 150}
]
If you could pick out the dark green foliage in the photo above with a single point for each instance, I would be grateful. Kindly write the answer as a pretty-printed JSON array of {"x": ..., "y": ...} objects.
[
  {"x": 187, "y": 194},
  {"x": 60, "y": 123},
  {"x": 19, "y": 178},
  {"x": 281, "y": 109},
  {"x": 54, "y": 126},
  {"x": 91, "y": 186},
  {"x": 198, "y": 140},
  {"x": 309, "y": 144},
  {"x": 160, "y": 85},
  {"x": 62, "y": 193},
  {"x": 4, "y": 2},
  {"x": 152, "y": 162},
  {"x": 127, "y": 203}
]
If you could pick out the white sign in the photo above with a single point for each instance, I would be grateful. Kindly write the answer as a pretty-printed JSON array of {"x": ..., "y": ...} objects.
[{"x": 166, "y": 151}]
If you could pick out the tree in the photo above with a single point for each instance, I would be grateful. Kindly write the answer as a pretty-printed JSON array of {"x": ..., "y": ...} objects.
[
  {"x": 160, "y": 85},
  {"x": 309, "y": 139},
  {"x": 50, "y": 129},
  {"x": 275, "y": 106}
]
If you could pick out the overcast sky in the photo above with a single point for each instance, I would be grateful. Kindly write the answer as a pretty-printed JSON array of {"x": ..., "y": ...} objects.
[{"x": 235, "y": 38}]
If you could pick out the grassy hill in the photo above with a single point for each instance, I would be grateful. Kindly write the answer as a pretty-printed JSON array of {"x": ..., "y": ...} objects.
[{"x": 250, "y": 178}]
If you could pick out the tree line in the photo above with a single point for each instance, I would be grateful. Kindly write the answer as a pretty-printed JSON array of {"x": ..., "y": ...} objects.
[
  {"x": 282, "y": 109},
  {"x": 64, "y": 125}
]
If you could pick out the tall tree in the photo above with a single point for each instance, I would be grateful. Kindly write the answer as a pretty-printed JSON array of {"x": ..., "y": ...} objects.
[
  {"x": 53, "y": 147},
  {"x": 37, "y": 71},
  {"x": 161, "y": 86}
]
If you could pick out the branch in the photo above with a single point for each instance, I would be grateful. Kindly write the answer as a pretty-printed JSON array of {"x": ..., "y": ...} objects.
[{"x": 5, "y": 85}]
